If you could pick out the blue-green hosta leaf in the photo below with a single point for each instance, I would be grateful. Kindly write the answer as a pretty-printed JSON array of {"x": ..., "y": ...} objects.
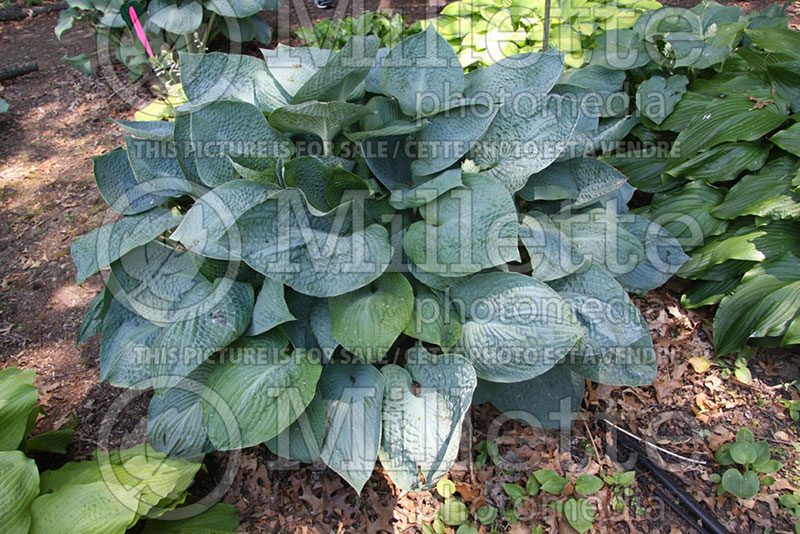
[
  {"x": 352, "y": 395},
  {"x": 764, "y": 304},
  {"x": 589, "y": 178},
  {"x": 604, "y": 136},
  {"x": 465, "y": 230},
  {"x": 293, "y": 67},
  {"x": 150, "y": 130},
  {"x": 373, "y": 80},
  {"x": 343, "y": 72},
  {"x": 550, "y": 400},
  {"x": 90, "y": 508},
  {"x": 18, "y": 396},
  {"x": 65, "y": 22},
  {"x": 174, "y": 18},
  {"x": 450, "y": 135},
  {"x": 515, "y": 327},
  {"x": 126, "y": 340},
  {"x": 598, "y": 235},
  {"x": 367, "y": 321},
  {"x": 118, "y": 185},
  {"x": 102, "y": 246},
  {"x": 19, "y": 486},
  {"x": 594, "y": 77},
  {"x": 263, "y": 32},
  {"x": 552, "y": 255},
  {"x": 643, "y": 169},
  {"x": 228, "y": 128},
  {"x": 434, "y": 280},
  {"x": 423, "y": 408},
  {"x": 323, "y": 119},
  {"x": 530, "y": 72},
  {"x": 788, "y": 139},
  {"x": 175, "y": 421},
  {"x": 156, "y": 168},
  {"x": 184, "y": 150},
  {"x": 270, "y": 309},
  {"x": 765, "y": 194},
  {"x": 425, "y": 190},
  {"x": 423, "y": 73},
  {"x": 320, "y": 255},
  {"x": 392, "y": 128},
  {"x": 238, "y": 9},
  {"x": 299, "y": 331},
  {"x": 687, "y": 214},
  {"x": 656, "y": 97},
  {"x": 619, "y": 49},
  {"x": 389, "y": 158},
  {"x": 92, "y": 322},
  {"x": 204, "y": 229},
  {"x": 219, "y": 519},
  {"x": 663, "y": 255},
  {"x": 257, "y": 391},
  {"x": 302, "y": 441},
  {"x": 238, "y": 30},
  {"x": 322, "y": 327},
  {"x": 721, "y": 163},
  {"x": 434, "y": 319},
  {"x": 217, "y": 76},
  {"x": 518, "y": 144}
]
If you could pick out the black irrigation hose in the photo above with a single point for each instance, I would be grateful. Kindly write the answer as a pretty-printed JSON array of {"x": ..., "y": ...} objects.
[{"x": 709, "y": 524}]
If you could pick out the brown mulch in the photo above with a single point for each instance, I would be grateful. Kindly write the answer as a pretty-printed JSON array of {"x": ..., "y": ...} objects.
[{"x": 59, "y": 118}]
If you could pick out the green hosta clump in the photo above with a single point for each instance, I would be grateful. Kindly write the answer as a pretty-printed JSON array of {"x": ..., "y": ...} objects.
[
  {"x": 718, "y": 93},
  {"x": 331, "y": 253},
  {"x": 334, "y": 34},
  {"x": 171, "y": 25},
  {"x": 484, "y": 31}
]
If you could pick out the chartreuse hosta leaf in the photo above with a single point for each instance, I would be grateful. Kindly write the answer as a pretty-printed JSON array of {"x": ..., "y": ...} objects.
[
  {"x": 367, "y": 321},
  {"x": 423, "y": 407},
  {"x": 18, "y": 396},
  {"x": 549, "y": 400},
  {"x": 19, "y": 486},
  {"x": 515, "y": 327},
  {"x": 423, "y": 74},
  {"x": 352, "y": 395},
  {"x": 434, "y": 319},
  {"x": 465, "y": 230},
  {"x": 257, "y": 390}
]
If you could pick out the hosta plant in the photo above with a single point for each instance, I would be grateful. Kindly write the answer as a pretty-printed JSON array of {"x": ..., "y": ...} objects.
[
  {"x": 335, "y": 254},
  {"x": 334, "y": 34},
  {"x": 170, "y": 26},
  {"x": 718, "y": 145}
]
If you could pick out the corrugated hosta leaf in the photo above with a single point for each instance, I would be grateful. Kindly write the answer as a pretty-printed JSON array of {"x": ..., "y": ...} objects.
[
  {"x": 389, "y": 158},
  {"x": 530, "y": 72},
  {"x": 102, "y": 246},
  {"x": 343, "y": 72},
  {"x": 764, "y": 304},
  {"x": 423, "y": 73},
  {"x": 118, "y": 185},
  {"x": 434, "y": 319},
  {"x": 125, "y": 344},
  {"x": 425, "y": 190},
  {"x": 270, "y": 309},
  {"x": 173, "y": 18},
  {"x": 367, "y": 321},
  {"x": 302, "y": 441},
  {"x": 620, "y": 49},
  {"x": 323, "y": 119},
  {"x": 465, "y": 230},
  {"x": 721, "y": 163},
  {"x": 319, "y": 255},
  {"x": 521, "y": 142},
  {"x": 92, "y": 323},
  {"x": 765, "y": 194},
  {"x": 219, "y": 519},
  {"x": 19, "y": 486},
  {"x": 257, "y": 390},
  {"x": 604, "y": 136},
  {"x": 238, "y": 9},
  {"x": 228, "y": 128},
  {"x": 550, "y": 400},
  {"x": 157, "y": 170},
  {"x": 585, "y": 180},
  {"x": 352, "y": 395},
  {"x": 18, "y": 396},
  {"x": 515, "y": 327},
  {"x": 151, "y": 130},
  {"x": 656, "y": 97},
  {"x": 423, "y": 407},
  {"x": 552, "y": 254},
  {"x": 293, "y": 67}
]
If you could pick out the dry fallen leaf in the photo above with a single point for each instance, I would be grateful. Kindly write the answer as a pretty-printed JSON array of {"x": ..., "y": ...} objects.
[{"x": 700, "y": 364}]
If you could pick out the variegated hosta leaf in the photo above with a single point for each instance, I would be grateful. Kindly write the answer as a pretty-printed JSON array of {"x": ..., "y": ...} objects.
[
  {"x": 515, "y": 327},
  {"x": 367, "y": 321},
  {"x": 434, "y": 319},
  {"x": 550, "y": 400},
  {"x": 424, "y": 405},
  {"x": 257, "y": 390},
  {"x": 320, "y": 255},
  {"x": 18, "y": 396},
  {"x": 551, "y": 253},
  {"x": 465, "y": 230},
  {"x": 19, "y": 486},
  {"x": 352, "y": 395}
]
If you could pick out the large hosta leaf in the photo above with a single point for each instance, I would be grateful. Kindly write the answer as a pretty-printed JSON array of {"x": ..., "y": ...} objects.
[
  {"x": 102, "y": 246},
  {"x": 550, "y": 400},
  {"x": 352, "y": 395},
  {"x": 174, "y": 18},
  {"x": 551, "y": 253},
  {"x": 124, "y": 349},
  {"x": 293, "y": 67},
  {"x": 434, "y": 319},
  {"x": 270, "y": 309},
  {"x": 323, "y": 119},
  {"x": 157, "y": 170},
  {"x": 531, "y": 72},
  {"x": 656, "y": 97},
  {"x": 720, "y": 164},
  {"x": 765, "y": 304},
  {"x": 584, "y": 180},
  {"x": 423, "y": 407},
  {"x": 423, "y": 73},
  {"x": 767, "y": 193},
  {"x": 118, "y": 185},
  {"x": 320, "y": 255},
  {"x": 302, "y": 441},
  {"x": 465, "y": 230},
  {"x": 367, "y": 321},
  {"x": 219, "y": 519},
  {"x": 258, "y": 391},
  {"x": 343, "y": 72},
  {"x": 240, "y": 8},
  {"x": 18, "y": 396},
  {"x": 89, "y": 508},
  {"x": 425, "y": 189},
  {"x": 19, "y": 486},
  {"x": 520, "y": 142},
  {"x": 515, "y": 327}
]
